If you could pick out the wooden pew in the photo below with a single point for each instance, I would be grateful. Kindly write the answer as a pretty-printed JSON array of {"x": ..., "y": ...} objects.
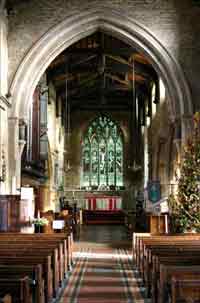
[
  {"x": 60, "y": 239},
  {"x": 5, "y": 298},
  {"x": 21, "y": 244},
  {"x": 34, "y": 272},
  {"x": 45, "y": 261},
  {"x": 37, "y": 249},
  {"x": 176, "y": 249},
  {"x": 135, "y": 244},
  {"x": 48, "y": 245},
  {"x": 170, "y": 256},
  {"x": 66, "y": 239},
  {"x": 36, "y": 252},
  {"x": 19, "y": 289},
  {"x": 164, "y": 241},
  {"x": 168, "y": 250},
  {"x": 166, "y": 271},
  {"x": 185, "y": 287}
]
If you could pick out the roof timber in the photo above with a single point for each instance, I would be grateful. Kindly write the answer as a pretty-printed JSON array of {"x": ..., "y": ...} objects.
[
  {"x": 123, "y": 65},
  {"x": 99, "y": 70}
]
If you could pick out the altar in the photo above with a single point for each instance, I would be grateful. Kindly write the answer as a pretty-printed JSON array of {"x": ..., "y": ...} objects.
[
  {"x": 108, "y": 203},
  {"x": 102, "y": 209}
]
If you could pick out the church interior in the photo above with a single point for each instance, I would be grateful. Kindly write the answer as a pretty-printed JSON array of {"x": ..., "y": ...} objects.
[{"x": 99, "y": 151}]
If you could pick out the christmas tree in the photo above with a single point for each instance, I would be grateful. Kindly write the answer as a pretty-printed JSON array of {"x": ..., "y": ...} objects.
[{"x": 185, "y": 204}]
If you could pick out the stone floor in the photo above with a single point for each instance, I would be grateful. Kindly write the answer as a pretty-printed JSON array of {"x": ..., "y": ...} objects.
[{"x": 106, "y": 235}]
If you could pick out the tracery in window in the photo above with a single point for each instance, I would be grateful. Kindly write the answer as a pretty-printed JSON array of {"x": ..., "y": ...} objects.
[{"x": 102, "y": 154}]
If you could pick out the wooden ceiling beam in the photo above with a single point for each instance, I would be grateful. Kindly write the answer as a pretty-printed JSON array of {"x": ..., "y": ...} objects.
[
  {"x": 116, "y": 54},
  {"x": 60, "y": 78},
  {"x": 117, "y": 79},
  {"x": 118, "y": 92},
  {"x": 123, "y": 51},
  {"x": 85, "y": 90},
  {"x": 102, "y": 107},
  {"x": 86, "y": 86},
  {"x": 83, "y": 60}
]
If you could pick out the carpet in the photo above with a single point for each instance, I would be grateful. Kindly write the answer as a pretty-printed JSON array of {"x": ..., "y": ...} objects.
[{"x": 103, "y": 275}]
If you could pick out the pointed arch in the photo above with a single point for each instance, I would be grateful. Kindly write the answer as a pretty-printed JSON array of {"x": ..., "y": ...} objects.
[{"x": 83, "y": 24}]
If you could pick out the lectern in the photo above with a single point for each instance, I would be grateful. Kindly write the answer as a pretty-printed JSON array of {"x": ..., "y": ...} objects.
[{"x": 157, "y": 224}]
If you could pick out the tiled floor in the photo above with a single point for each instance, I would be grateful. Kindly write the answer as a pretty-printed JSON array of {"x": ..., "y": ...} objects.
[{"x": 103, "y": 270}]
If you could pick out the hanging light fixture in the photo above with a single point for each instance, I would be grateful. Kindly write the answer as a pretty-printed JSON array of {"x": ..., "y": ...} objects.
[
  {"x": 133, "y": 166},
  {"x": 67, "y": 123}
]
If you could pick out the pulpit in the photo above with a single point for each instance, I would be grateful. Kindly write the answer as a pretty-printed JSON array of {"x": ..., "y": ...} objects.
[{"x": 9, "y": 213}]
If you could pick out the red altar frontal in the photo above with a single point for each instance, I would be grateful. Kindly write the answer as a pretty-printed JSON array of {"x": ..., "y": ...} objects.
[
  {"x": 103, "y": 203},
  {"x": 103, "y": 210}
]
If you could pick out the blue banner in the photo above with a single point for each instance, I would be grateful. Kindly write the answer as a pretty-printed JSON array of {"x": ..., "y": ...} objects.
[{"x": 154, "y": 191}]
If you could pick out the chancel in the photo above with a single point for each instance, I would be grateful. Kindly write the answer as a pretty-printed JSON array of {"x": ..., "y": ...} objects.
[{"x": 99, "y": 151}]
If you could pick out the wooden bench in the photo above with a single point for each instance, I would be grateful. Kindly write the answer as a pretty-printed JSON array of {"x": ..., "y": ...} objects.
[
  {"x": 165, "y": 241},
  {"x": 32, "y": 249},
  {"x": 66, "y": 239},
  {"x": 162, "y": 291},
  {"x": 34, "y": 253},
  {"x": 185, "y": 287},
  {"x": 5, "y": 298},
  {"x": 38, "y": 249},
  {"x": 151, "y": 252},
  {"x": 181, "y": 255},
  {"x": 166, "y": 250},
  {"x": 34, "y": 272},
  {"x": 19, "y": 289},
  {"x": 45, "y": 261}
]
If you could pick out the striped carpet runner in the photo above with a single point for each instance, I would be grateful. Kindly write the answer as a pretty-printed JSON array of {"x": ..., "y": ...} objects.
[{"x": 103, "y": 275}]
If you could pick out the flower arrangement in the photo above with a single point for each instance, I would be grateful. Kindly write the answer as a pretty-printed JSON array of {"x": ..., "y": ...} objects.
[
  {"x": 185, "y": 204},
  {"x": 40, "y": 221}
]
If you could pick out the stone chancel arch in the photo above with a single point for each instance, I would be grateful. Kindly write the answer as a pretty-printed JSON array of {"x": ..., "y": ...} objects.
[
  {"x": 81, "y": 25},
  {"x": 78, "y": 26}
]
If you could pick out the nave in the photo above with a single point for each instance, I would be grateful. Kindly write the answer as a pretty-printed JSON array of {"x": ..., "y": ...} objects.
[{"x": 103, "y": 270}]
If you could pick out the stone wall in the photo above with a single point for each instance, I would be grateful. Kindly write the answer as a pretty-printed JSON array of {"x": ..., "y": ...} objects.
[
  {"x": 162, "y": 149},
  {"x": 56, "y": 138},
  {"x": 173, "y": 23}
]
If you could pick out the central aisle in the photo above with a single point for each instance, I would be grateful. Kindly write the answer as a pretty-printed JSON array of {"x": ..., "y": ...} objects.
[{"x": 103, "y": 270}]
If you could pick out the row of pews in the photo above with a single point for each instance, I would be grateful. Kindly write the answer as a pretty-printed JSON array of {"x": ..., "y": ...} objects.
[
  {"x": 169, "y": 266},
  {"x": 33, "y": 267}
]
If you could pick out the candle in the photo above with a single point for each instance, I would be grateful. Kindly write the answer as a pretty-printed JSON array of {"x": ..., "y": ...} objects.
[
  {"x": 38, "y": 214},
  {"x": 166, "y": 224}
]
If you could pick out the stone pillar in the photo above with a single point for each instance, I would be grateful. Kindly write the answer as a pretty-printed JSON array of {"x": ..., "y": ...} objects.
[
  {"x": 4, "y": 103},
  {"x": 146, "y": 157},
  {"x": 14, "y": 155},
  {"x": 3, "y": 53},
  {"x": 186, "y": 127}
]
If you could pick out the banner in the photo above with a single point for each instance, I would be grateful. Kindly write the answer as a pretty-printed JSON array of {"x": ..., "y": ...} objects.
[{"x": 154, "y": 191}]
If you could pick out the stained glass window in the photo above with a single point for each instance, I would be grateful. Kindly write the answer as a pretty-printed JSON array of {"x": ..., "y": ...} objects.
[{"x": 102, "y": 154}]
